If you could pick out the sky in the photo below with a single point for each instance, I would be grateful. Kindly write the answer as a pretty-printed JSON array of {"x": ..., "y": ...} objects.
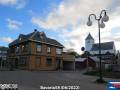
[{"x": 63, "y": 20}]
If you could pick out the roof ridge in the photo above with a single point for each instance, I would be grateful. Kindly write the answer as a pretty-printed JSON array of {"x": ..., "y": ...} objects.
[
  {"x": 34, "y": 37},
  {"x": 35, "y": 31},
  {"x": 105, "y": 42},
  {"x": 104, "y": 46}
]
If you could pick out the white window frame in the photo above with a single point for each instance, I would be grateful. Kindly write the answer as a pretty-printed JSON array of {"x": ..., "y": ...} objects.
[
  {"x": 58, "y": 51},
  {"x": 48, "y": 49},
  {"x": 38, "y": 48}
]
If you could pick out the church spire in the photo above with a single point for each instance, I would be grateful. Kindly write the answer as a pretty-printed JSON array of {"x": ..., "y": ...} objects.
[
  {"x": 89, "y": 37},
  {"x": 89, "y": 41}
]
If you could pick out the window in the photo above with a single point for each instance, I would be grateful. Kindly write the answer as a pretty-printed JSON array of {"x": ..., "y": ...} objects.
[
  {"x": 4, "y": 57},
  {"x": 49, "y": 61},
  {"x": 5, "y": 52},
  {"x": 12, "y": 50},
  {"x": 25, "y": 47},
  {"x": 88, "y": 41},
  {"x": 58, "y": 51},
  {"x": 38, "y": 48},
  {"x": 17, "y": 49},
  {"x": 48, "y": 49},
  {"x": 22, "y": 61}
]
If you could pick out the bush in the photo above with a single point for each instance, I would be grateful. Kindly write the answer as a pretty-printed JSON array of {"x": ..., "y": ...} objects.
[{"x": 100, "y": 81}]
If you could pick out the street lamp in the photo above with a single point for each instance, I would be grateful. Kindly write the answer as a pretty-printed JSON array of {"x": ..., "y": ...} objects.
[{"x": 101, "y": 19}]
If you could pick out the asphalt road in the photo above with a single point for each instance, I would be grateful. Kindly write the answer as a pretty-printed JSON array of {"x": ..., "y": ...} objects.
[{"x": 32, "y": 80}]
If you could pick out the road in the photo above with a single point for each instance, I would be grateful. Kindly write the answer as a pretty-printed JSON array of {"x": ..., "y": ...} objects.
[{"x": 32, "y": 80}]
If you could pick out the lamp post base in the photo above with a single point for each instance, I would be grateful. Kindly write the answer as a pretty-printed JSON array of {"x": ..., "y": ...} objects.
[{"x": 99, "y": 80}]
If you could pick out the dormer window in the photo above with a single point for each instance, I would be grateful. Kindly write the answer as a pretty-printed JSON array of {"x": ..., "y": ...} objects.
[{"x": 41, "y": 35}]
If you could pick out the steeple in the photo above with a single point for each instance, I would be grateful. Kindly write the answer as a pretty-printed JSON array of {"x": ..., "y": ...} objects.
[
  {"x": 89, "y": 41},
  {"x": 89, "y": 37}
]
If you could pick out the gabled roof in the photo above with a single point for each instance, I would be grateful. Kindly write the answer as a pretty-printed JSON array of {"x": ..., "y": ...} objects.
[
  {"x": 89, "y": 37},
  {"x": 104, "y": 46},
  {"x": 90, "y": 58},
  {"x": 36, "y": 36}
]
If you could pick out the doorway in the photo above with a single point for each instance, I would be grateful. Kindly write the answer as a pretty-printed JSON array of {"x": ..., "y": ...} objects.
[{"x": 16, "y": 63}]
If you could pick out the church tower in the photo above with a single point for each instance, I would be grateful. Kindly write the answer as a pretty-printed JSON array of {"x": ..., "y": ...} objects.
[{"x": 89, "y": 41}]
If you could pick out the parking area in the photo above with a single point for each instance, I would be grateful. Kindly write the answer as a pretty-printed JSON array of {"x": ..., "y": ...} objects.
[{"x": 32, "y": 80}]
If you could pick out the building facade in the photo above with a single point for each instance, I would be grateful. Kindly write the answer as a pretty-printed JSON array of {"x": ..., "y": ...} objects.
[
  {"x": 3, "y": 56},
  {"x": 93, "y": 48},
  {"x": 35, "y": 51},
  {"x": 68, "y": 61},
  {"x": 3, "y": 52},
  {"x": 108, "y": 51}
]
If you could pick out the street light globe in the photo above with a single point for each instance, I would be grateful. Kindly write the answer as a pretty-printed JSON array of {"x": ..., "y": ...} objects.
[
  {"x": 89, "y": 23},
  {"x": 83, "y": 49},
  {"x": 102, "y": 25},
  {"x": 105, "y": 18}
]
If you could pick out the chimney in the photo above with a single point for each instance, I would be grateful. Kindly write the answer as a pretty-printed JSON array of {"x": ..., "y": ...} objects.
[{"x": 35, "y": 30}]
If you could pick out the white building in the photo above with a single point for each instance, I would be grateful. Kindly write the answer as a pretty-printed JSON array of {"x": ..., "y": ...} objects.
[
  {"x": 108, "y": 51},
  {"x": 93, "y": 48},
  {"x": 89, "y": 41}
]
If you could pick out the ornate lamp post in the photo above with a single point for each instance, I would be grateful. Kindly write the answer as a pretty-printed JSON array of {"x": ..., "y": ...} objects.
[{"x": 101, "y": 19}]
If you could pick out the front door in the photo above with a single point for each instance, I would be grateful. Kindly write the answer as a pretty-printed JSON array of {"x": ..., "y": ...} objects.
[{"x": 16, "y": 63}]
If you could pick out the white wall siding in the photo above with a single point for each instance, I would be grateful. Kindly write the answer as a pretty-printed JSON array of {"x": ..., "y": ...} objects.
[
  {"x": 103, "y": 51},
  {"x": 89, "y": 45}
]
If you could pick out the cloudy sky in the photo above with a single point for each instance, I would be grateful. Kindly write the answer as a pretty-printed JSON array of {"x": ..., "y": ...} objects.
[{"x": 63, "y": 20}]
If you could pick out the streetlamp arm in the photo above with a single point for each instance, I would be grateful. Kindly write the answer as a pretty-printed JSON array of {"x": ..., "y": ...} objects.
[
  {"x": 102, "y": 13},
  {"x": 99, "y": 16},
  {"x": 92, "y": 15}
]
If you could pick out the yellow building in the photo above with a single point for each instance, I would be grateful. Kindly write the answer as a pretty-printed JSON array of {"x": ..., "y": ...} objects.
[{"x": 35, "y": 51}]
